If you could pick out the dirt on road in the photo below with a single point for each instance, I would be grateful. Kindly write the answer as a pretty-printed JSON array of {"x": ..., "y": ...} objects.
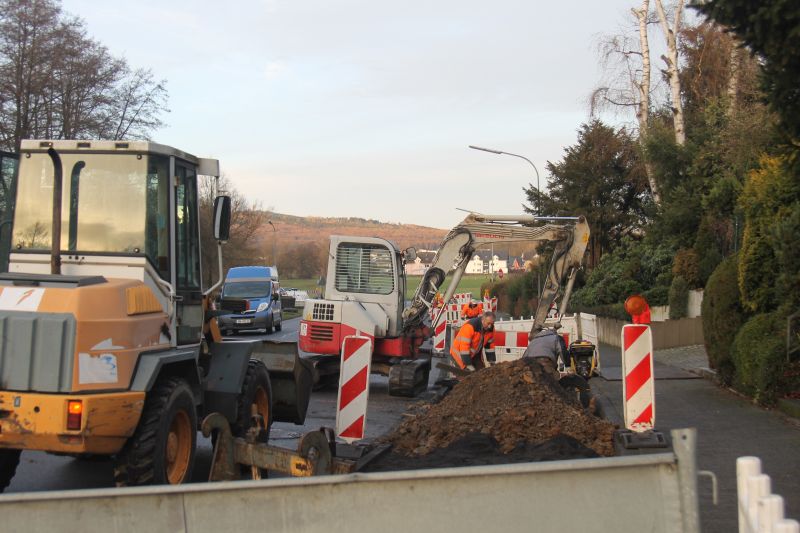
[{"x": 520, "y": 412}]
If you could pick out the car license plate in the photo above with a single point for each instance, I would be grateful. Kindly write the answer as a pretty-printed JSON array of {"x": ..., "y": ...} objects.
[{"x": 244, "y": 321}]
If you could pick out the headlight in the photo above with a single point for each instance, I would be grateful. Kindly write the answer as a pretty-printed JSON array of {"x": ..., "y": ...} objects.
[{"x": 262, "y": 306}]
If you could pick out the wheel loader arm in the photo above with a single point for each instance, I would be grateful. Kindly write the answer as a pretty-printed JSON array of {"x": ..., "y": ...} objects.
[{"x": 571, "y": 235}]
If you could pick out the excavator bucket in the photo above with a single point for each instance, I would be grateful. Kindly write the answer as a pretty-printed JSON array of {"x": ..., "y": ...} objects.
[{"x": 290, "y": 377}]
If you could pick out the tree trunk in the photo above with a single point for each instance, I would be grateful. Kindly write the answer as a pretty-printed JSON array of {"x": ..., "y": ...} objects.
[
  {"x": 671, "y": 59},
  {"x": 733, "y": 79},
  {"x": 643, "y": 109}
]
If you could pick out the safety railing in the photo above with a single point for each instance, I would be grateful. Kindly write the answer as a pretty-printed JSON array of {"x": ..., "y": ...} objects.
[{"x": 760, "y": 511}]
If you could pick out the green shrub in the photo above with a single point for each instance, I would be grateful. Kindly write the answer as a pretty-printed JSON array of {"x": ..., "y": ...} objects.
[
  {"x": 678, "y": 298},
  {"x": 759, "y": 355},
  {"x": 658, "y": 295},
  {"x": 722, "y": 317}
]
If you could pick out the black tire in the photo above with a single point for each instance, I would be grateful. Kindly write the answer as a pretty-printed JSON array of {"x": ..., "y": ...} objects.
[
  {"x": 577, "y": 385},
  {"x": 270, "y": 325},
  {"x": 279, "y": 325},
  {"x": 9, "y": 459},
  {"x": 143, "y": 460},
  {"x": 256, "y": 391}
]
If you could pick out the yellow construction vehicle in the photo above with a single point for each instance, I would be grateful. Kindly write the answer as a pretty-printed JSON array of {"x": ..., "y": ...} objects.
[{"x": 109, "y": 345}]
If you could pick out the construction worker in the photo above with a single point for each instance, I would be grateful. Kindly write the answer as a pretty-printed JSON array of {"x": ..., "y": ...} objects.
[
  {"x": 475, "y": 335},
  {"x": 545, "y": 347},
  {"x": 470, "y": 310}
]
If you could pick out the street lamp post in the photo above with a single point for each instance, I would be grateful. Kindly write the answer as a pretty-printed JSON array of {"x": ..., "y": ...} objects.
[
  {"x": 538, "y": 190},
  {"x": 274, "y": 238},
  {"x": 538, "y": 197}
]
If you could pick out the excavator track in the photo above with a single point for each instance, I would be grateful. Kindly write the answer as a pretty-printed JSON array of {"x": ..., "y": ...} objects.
[{"x": 409, "y": 377}]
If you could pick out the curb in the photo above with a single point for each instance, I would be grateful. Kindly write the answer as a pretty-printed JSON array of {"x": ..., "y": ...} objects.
[{"x": 789, "y": 407}]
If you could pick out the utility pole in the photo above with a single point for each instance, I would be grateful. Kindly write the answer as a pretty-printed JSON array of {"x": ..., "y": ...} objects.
[{"x": 274, "y": 239}]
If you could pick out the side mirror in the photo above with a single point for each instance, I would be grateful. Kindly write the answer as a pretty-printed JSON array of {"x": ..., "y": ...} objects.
[
  {"x": 409, "y": 254},
  {"x": 276, "y": 296},
  {"x": 222, "y": 218}
]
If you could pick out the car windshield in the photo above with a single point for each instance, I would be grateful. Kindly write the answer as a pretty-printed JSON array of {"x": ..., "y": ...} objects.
[{"x": 246, "y": 289}]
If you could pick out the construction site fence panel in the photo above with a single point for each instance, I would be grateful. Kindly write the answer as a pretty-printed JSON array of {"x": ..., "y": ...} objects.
[
  {"x": 760, "y": 511},
  {"x": 669, "y": 334},
  {"x": 620, "y": 494}
]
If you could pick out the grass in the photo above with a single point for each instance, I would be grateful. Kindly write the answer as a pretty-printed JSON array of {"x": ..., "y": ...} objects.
[
  {"x": 469, "y": 283},
  {"x": 308, "y": 285}
]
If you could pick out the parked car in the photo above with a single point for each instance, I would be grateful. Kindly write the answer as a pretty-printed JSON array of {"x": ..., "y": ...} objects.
[
  {"x": 251, "y": 295},
  {"x": 300, "y": 296}
]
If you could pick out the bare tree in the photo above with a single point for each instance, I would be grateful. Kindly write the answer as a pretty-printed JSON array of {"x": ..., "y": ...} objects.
[
  {"x": 629, "y": 86},
  {"x": 246, "y": 219},
  {"x": 56, "y": 82},
  {"x": 140, "y": 101},
  {"x": 671, "y": 60}
]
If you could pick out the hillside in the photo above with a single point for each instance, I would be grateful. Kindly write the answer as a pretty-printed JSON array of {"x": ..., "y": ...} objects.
[{"x": 297, "y": 231}]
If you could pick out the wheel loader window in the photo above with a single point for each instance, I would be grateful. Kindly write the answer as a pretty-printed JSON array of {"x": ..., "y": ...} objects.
[
  {"x": 157, "y": 225},
  {"x": 103, "y": 203},
  {"x": 364, "y": 268},
  {"x": 188, "y": 238}
]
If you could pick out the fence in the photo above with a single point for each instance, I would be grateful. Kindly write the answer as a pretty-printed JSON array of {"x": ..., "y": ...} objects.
[
  {"x": 669, "y": 334},
  {"x": 760, "y": 511}
]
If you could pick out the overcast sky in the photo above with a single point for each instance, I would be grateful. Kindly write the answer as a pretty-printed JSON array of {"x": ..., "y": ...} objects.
[{"x": 365, "y": 108}]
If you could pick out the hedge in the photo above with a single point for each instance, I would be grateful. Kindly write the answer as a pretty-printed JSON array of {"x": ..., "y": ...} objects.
[
  {"x": 722, "y": 317},
  {"x": 759, "y": 355}
]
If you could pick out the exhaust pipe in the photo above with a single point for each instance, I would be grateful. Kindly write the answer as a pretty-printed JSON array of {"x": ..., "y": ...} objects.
[{"x": 55, "y": 249}]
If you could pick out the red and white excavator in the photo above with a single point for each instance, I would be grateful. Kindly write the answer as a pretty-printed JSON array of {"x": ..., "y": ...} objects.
[{"x": 366, "y": 283}]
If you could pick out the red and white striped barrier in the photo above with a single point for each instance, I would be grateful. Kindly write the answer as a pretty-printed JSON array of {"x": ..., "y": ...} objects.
[
  {"x": 440, "y": 335},
  {"x": 638, "y": 385},
  {"x": 351, "y": 404},
  {"x": 490, "y": 304}
]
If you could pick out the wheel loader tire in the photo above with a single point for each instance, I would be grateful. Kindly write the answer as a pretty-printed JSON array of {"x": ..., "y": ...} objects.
[
  {"x": 161, "y": 450},
  {"x": 254, "y": 399},
  {"x": 9, "y": 459}
]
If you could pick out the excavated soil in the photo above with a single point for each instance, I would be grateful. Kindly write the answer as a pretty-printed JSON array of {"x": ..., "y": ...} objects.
[{"x": 509, "y": 412}]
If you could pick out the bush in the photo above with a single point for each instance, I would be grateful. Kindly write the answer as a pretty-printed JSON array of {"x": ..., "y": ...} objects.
[
  {"x": 722, "y": 317},
  {"x": 759, "y": 355},
  {"x": 687, "y": 266},
  {"x": 769, "y": 200},
  {"x": 678, "y": 298}
]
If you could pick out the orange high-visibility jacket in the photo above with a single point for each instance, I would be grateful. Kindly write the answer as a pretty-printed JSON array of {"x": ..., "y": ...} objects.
[
  {"x": 469, "y": 342},
  {"x": 471, "y": 310}
]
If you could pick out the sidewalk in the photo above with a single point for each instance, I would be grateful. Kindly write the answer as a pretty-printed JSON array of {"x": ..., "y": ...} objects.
[{"x": 728, "y": 426}]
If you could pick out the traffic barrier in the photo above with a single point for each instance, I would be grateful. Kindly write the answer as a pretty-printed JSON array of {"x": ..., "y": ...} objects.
[
  {"x": 440, "y": 336},
  {"x": 638, "y": 386},
  {"x": 646, "y": 496},
  {"x": 351, "y": 403},
  {"x": 490, "y": 304},
  {"x": 760, "y": 511}
]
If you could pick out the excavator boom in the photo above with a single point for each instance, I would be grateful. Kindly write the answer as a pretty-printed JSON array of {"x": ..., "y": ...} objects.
[{"x": 570, "y": 235}]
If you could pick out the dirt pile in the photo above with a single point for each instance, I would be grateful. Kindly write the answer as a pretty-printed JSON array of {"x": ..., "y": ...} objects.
[
  {"x": 515, "y": 404},
  {"x": 477, "y": 449}
]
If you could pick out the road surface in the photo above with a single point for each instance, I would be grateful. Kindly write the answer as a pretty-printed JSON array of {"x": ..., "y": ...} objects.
[
  {"x": 39, "y": 471},
  {"x": 728, "y": 426}
]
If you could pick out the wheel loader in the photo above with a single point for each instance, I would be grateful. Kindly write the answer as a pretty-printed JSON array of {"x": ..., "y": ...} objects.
[{"x": 108, "y": 343}]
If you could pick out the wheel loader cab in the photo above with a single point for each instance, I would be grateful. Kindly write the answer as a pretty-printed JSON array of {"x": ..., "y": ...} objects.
[{"x": 129, "y": 210}]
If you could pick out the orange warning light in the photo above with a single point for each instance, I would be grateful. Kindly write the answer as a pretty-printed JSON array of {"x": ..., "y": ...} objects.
[{"x": 635, "y": 304}]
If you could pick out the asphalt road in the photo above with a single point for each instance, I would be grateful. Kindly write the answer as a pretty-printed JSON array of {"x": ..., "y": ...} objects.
[
  {"x": 728, "y": 426},
  {"x": 39, "y": 471}
]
